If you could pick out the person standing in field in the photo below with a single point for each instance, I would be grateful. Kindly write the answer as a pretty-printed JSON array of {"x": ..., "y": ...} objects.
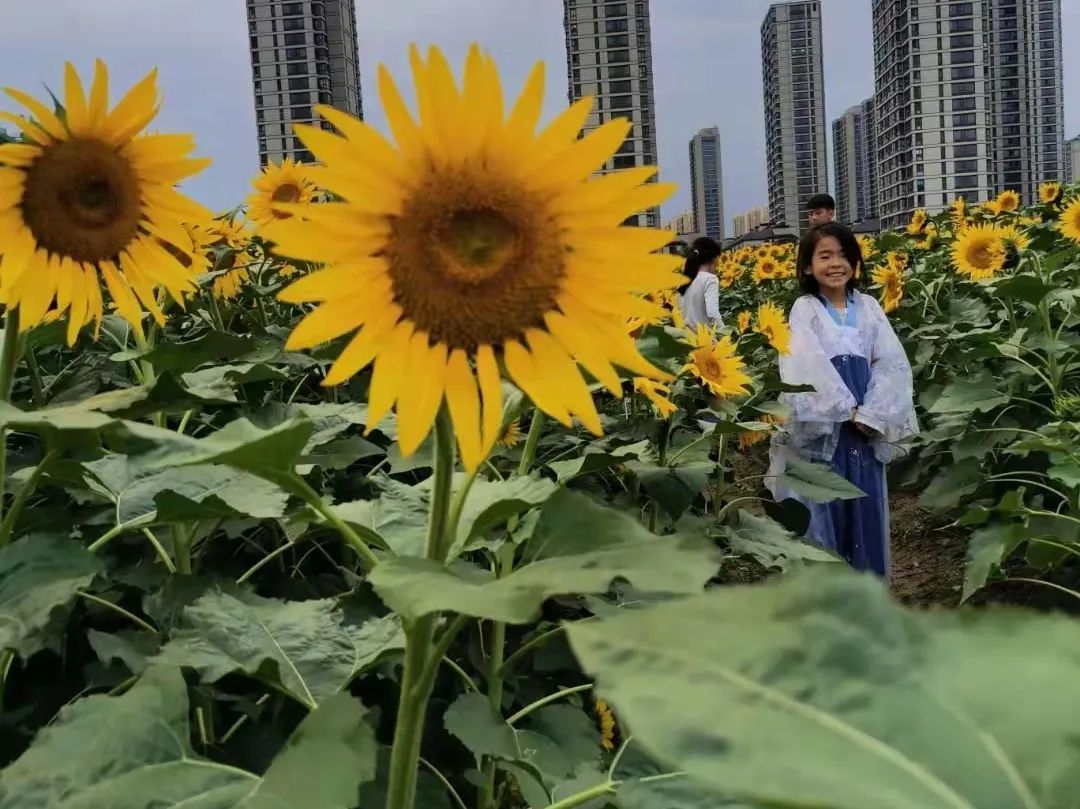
[
  {"x": 820, "y": 209},
  {"x": 700, "y": 301},
  {"x": 862, "y": 404}
]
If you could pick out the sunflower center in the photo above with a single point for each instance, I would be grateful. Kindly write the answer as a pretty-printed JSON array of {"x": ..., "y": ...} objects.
[
  {"x": 981, "y": 255},
  {"x": 287, "y": 193},
  {"x": 475, "y": 260},
  {"x": 82, "y": 200},
  {"x": 712, "y": 368}
]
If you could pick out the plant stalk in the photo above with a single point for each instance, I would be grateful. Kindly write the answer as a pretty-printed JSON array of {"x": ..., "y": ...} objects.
[
  {"x": 28, "y": 488},
  {"x": 419, "y": 675},
  {"x": 9, "y": 359}
]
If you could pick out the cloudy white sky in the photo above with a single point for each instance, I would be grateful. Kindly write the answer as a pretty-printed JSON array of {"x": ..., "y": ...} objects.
[{"x": 706, "y": 52}]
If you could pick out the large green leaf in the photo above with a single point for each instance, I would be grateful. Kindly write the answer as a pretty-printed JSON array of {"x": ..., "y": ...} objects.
[
  {"x": 817, "y": 482},
  {"x": 970, "y": 395},
  {"x": 180, "y": 357},
  {"x": 673, "y": 488},
  {"x": 772, "y": 545},
  {"x": 398, "y": 516},
  {"x": 987, "y": 548},
  {"x": 821, "y": 691},
  {"x": 133, "y": 752},
  {"x": 39, "y": 575},
  {"x": 492, "y": 502},
  {"x": 595, "y": 460},
  {"x": 581, "y": 547},
  {"x": 190, "y": 493},
  {"x": 952, "y": 484},
  {"x": 303, "y": 647}
]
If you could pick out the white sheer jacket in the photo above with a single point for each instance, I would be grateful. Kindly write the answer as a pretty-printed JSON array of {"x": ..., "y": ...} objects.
[
  {"x": 813, "y": 427},
  {"x": 701, "y": 301}
]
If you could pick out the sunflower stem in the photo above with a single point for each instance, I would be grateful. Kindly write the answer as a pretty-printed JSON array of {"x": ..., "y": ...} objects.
[
  {"x": 419, "y": 675},
  {"x": 149, "y": 377},
  {"x": 28, "y": 488},
  {"x": 9, "y": 359},
  {"x": 528, "y": 452}
]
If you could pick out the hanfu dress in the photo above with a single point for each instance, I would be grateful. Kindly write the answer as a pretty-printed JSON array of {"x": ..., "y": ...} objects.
[{"x": 853, "y": 360}]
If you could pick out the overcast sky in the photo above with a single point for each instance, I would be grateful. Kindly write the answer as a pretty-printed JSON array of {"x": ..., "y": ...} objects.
[{"x": 706, "y": 54}]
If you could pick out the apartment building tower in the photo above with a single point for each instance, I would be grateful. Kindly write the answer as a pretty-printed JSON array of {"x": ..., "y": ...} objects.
[
  {"x": 707, "y": 183},
  {"x": 609, "y": 57},
  {"x": 969, "y": 101},
  {"x": 303, "y": 53},
  {"x": 855, "y": 164},
  {"x": 794, "y": 93}
]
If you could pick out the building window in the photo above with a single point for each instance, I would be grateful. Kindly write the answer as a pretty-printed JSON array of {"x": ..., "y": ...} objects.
[
  {"x": 299, "y": 84},
  {"x": 290, "y": 9},
  {"x": 294, "y": 39},
  {"x": 620, "y": 41},
  {"x": 293, "y": 54},
  {"x": 301, "y": 113},
  {"x": 624, "y": 161}
]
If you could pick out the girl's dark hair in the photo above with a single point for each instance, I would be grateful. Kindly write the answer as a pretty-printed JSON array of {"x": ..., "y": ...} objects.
[
  {"x": 849, "y": 245},
  {"x": 702, "y": 251}
]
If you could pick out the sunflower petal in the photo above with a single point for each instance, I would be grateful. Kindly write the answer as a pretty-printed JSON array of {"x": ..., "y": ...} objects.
[
  {"x": 416, "y": 409},
  {"x": 463, "y": 400},
  {"x": 389, "y": 374}
]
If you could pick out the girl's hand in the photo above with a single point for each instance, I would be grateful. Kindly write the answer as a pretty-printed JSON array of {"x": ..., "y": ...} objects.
[{"x": 869, "y": 432}]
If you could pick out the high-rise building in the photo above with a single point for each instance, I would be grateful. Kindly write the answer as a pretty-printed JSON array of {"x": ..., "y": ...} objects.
[
  {"x": 683, "y": 223},
  {"x": 609, "y": 57},
  {"x": 855, "y": 164},
  {"x": 968, "y": 99},
  {"x": 795, "y": 128},
  {"x": 748, "y": 220},
  {"x": 707, "y": 183},
  {"x": 302, "y": 54},
  {"x": 1072, "y": 160}
]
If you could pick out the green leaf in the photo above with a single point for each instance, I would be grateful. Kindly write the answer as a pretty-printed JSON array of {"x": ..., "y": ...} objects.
[
  {"x": 817, "y": 482},
  {"x": 39, "y": 576},
  {"x": 1067, "y": 472},
  {"x": 581, "y": 547},
  {"x": 597, "y": 460},
  {"x": 987, "y": 548},
  {"x": 220, "y": 381},
  {"x": 1024, "y": 287},
  {"x": 493, "y": 502},
  {"x": 303, "y": 646},
  {"x": 339, "y": 454},
  {"x": 868, "y": 706},
  {"x": 180, "y": 357},
  {"x": 398, "y": 517},
  {"x": 674, "y": 488},
  {"x": 182, "y": 495},
  {"x": 335, "y": 745},
  {"x": 133, "y": 649},
  {"x": 952, "y": 484},
  {"x": 772, "y": 545},
  {"x": 970, "y": 395},
  {"x": 133, "y": 751}
]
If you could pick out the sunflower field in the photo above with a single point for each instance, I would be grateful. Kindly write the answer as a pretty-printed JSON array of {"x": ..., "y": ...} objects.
[{"x": 403, "y": 485}]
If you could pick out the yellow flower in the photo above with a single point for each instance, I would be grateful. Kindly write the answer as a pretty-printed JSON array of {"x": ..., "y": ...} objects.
[
  {"x": 767, "y": 269},
  {"x": 1068, "y": 222},
  {"x": 891, "y": 279},
  {"x": 229, "y": 231},
  {"x": 772, "y": 325},
  {"x": 288, "y": 270},
  {"x": 228, "y": 285},
  {"x": 991, "y": 207},
  {"x": 1008, "y": 201},
  {"x": 918, "y": 222},
  {"x": 511, "y": 435},
  {"x": 928, "y": 238},
  {"x": 86, "y": 198},
  {"x": 979, "y": 253},
  {"x": 656, "y": 393},
  {"x": 729, "y": 274},
  {"x": 868, "y": 247},
  {"x": 606, "y": 719},
  {"x": 719, "y": 367},
  {"x": 287, "y": 183},
  {"x": 1049, "y": 193},
  {"x": 750, "y": 438},
  {"x": 1014, "y": 238},
  {"x": 742, "y": 321},
  {"x": 958, "y": 213},
  {"x": 471, "y": 239}
]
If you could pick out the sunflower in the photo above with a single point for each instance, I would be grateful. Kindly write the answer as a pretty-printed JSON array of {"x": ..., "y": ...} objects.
[
  {"x": 958, "y": 213},
  {"x": 991, "y": 207},
  {"x": 1008, "y": 201},
  {"x": 475, "y": 239},
  {"x": 766, "y": 269},
  {"x": 656, "y": 393},
  {"x": 288, "y": 270},
  {"x": 511, "y": 435},
  {"x": 742, "y": 321},
  {"x": 87, "y": 198},
  {"x": 918, "y": 222},
  {"x": 928, "y": 238},
  {"x": 750, "y": 438},
  {"x": 1050, "y": 193},
  {"x": 891, "y": 280},
  {"x": 868, "y": 247},
  {"x": 979, "y": 252},
  {"x": 1068, "y": 222},
  {"x": 285, "y": 183},
  {"x": 771, "y": 324},
  {"x": 605, "y": 719},
  {"x": 1014, "y": 238},
  {"x": 719, "y": 367},
  {"x": 228, "y": 285},
  {"x": 729, "y": 274}
]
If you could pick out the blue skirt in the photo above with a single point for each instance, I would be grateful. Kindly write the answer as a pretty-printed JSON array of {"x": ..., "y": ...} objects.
[{"x": 857, "y": 530}]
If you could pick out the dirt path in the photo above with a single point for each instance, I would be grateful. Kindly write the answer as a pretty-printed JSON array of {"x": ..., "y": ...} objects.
[{"x": 928, "y": 558}]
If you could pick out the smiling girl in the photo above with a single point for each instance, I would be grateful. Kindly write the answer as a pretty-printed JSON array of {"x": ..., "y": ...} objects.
[{"x": 861, "y": 406}]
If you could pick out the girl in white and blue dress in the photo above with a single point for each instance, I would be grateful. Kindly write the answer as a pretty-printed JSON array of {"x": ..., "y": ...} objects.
[
  {"x": 862, "y": 403},
  {"x": 700, "y": 295}
]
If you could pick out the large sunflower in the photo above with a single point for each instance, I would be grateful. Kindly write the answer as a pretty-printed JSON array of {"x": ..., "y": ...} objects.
[
  {"x": 471, "y": 242},
  {"x": 1008, "y": 201},
  {"x": 86, "y": 198},
  {"x": 767, "y": 269},
  {"x": 1049, "y": 193},
  {"x": 1068, "y": 222},
  {"x": 718, "y": 366},
  {"x": 979, "y": 252},
  {"x": 286, "y": 183},
  {"x": 771, "y": 324},
  {"x": 891, "y": 280}
]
